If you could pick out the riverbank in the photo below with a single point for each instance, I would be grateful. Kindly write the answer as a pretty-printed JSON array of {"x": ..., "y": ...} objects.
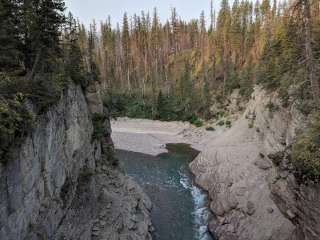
[
  {"x": 232, "y": 167},
  {"x": 150, "y": 137}
]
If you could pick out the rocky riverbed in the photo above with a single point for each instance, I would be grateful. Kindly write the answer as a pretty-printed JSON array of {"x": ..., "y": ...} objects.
[
  {"x": 162, "y": 170},
  {"x": 251, "y": 196}
]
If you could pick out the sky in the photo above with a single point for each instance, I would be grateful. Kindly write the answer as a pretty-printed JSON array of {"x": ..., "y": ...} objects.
[{"x": 87, "y": 10}]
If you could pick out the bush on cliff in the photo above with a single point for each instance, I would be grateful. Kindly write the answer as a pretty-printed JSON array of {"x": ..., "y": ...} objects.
[
  {"x": 15, "y": 121},
  {"x": 306, "y": 151},
  {"x": 99, "y": 130}
]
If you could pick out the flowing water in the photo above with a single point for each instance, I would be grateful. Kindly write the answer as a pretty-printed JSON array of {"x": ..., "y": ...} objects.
[{"x": 180, "y": 209}]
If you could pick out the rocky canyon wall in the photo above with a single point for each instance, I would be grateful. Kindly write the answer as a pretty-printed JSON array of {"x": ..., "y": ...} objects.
[
  {"x": 250, "y": 180},
  {"x": 64, "y": 184}
]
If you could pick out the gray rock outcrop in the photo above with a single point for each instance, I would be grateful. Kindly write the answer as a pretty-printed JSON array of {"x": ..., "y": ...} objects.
[
  {"x": 252, "y": 195},
  {"x": 63, "y": 184},
  {"x": 297, "y": 201}
]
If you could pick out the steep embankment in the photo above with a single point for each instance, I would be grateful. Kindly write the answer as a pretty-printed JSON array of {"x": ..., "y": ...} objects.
[
  {"x": 61, "y": 184},
  {"x": 246, "y": 169},
  {"x": 253, "y": 191}
]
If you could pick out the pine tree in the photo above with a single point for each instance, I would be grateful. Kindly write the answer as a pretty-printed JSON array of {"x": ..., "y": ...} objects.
[
  {"x": 73, "y": 57},
  {"x": 236, "y": 32},
  {"x": 10, "y": 47},
  {"x": 223, "y": 29},
  {"x": 92, "y": 58},
  {"x": 42, "y": 22}
]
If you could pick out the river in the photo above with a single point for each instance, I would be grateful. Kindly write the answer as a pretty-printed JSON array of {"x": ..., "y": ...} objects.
[{"x": 180, "y": 209}]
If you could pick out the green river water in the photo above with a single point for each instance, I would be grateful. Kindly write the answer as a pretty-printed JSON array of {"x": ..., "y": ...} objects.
[{"x": 180, "y": 209}]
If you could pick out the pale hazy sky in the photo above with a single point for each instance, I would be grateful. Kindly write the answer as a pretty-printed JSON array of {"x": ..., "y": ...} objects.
[{"x": 86, "y": 10}]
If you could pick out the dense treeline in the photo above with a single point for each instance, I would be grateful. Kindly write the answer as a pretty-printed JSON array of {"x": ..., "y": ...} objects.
[
  {"x": 188, "y": 66},
  {"x": 178, "y": 70}
]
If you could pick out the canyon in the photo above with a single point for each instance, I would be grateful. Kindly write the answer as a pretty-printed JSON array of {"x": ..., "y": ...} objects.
[
  {"x": 245, "y": 169},
  {"x": 64, "y": 184}
]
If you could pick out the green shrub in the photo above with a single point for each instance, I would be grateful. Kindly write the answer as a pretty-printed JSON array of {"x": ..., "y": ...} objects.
[
  {"x": 246, "y": 83},
  {"x": 233, "y": 81},
  {"x": 99, "y": 129},
  {"x": 15, "y": 121},
  {"x": 139, "y": 108},
  {"x": 116, "y": 103},
  {"x": 197, "y": 122},
  {"x": 45, "y": 93},
  {"x": 306, "y": 106},
  {"x": 246, "y": 92},
  {"x": 210, "y": 129},
  {"x": 221, "y": 114},
  {"x": 221, "y": 123},
  {"x": 228, "y": 124},
  {"x": 43, "y": 90},
  {"x": 9, "y": 86},
  {"x": 272, "y": 107},
  {"x": 164, "y": 108},
  {"x": 306, "y": 151}
]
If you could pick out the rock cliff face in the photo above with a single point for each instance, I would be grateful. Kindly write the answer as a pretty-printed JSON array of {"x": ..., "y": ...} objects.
[
  {"x": 300, "y": 204},
  {"x": 246, "y": 171},
  {"x": 62, "y": 184}
]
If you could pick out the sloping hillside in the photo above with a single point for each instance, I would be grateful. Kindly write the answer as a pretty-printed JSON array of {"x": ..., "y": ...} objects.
[{"x": 237, "y": 170}]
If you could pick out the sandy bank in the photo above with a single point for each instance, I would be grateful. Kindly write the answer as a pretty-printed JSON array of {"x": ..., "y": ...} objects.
[{"x": 150, "y": 137}]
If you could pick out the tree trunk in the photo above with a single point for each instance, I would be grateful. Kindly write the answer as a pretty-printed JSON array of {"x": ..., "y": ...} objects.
[
  {"x": 30, "y": 75},
  {"x": 128, "y": 79},
  {"x": 311, "y": 69},
  {"x": 213, "y": 70},
  {"x": 225, "y": 74}
]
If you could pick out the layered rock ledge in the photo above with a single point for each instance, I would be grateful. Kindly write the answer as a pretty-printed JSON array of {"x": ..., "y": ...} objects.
[{"x": 253, "y": 191}]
